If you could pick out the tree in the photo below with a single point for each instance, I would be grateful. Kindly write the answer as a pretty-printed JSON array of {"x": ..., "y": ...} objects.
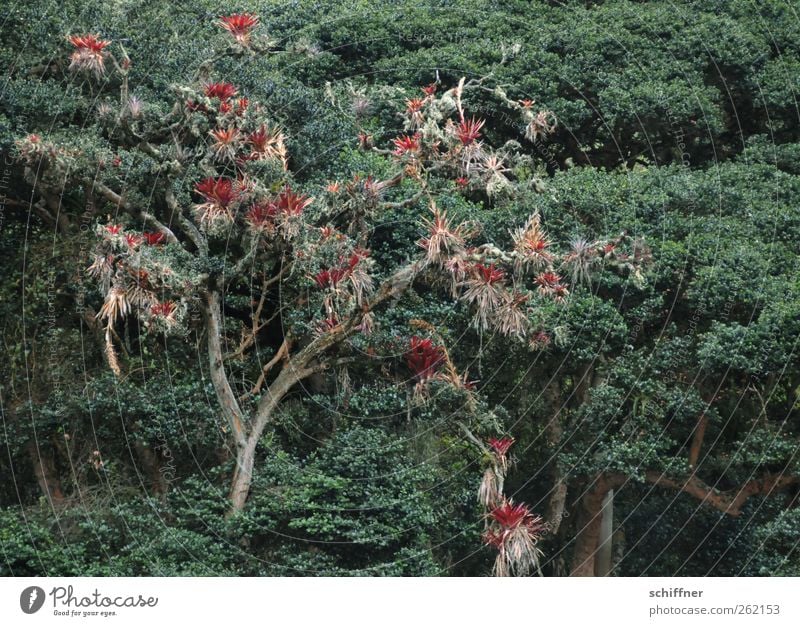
[{"x": 307, "y": 261}]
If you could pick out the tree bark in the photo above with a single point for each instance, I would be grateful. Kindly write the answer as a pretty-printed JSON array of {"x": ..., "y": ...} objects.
[
  {"x": 605, "y": 543},
  {"x": 219, "y": 378},
  {"x": 152, "y": 468},
  {"x": 589, "y": 519},
  {"x": 246, "y": 453},
  {"x": 589, "y": 523},
  {"x": 45, "y": 472},
  {"x": 557, "y": 500},
  {"x": 697, "y": 441}
]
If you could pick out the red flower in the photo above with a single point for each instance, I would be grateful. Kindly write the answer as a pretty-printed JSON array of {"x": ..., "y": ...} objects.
[
  {"x": 429, "y": 90},
  {"x": 222, "y": 91},
  {"x": 510, "y": 515},
  {"x": 423, "y": 358},
  {"x": 489, "y": 273},
  {"x": 89, "y": 42},
  {"x": 132, "y": 240},
  {"x": 262, "y": 214},
  {"x": 154, "y": 239},
  {"x": 462, "y": 182},
  {"x": 116, "y": 161},
  {"x": 241, "y": 105},
  {"x": 414, "y": 105},
  {"x": 405, "y": 144},
  {"x": 225, "y": 141},
  {"x": 239, "y": 25},
  {"x": 329, "y": 278},
  {"x": 356, "y": 257},
  {"x": 468, "y": 131},
  {"x": 501, "y": 445},
  {"x": 291, "y": 203},
  {"x": 220, "y": 192},
  {"x": 526, "y": 103},
  {"x": 163, "y": 309},
  {"x": 114, "y": 229},
  {"x": 550, "y": 285},
  {"x": 267, "y": 143},
  {"x": 225, "y": 107},
  {"x": 89, "y": 53}
]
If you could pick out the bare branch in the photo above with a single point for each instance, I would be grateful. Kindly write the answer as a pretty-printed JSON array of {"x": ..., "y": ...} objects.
[{"x": 113, "y": 197}]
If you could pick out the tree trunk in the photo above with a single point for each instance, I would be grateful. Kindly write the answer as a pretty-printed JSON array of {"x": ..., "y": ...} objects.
[
  {"x": 243, "y": 475},
  {"x": 605, "y": 543},
  {"x": 557, "y": 500},
  {"x": 246, "y": 452},
  {"x": 589, "y": 525},
  {"x": 151, "y": 467},
  {"x": 45, "y": 471},
  {"x": 589, "y": 521}
]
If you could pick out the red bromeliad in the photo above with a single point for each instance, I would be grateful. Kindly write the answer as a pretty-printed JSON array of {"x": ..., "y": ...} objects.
[
  {"x": 489, "y": 274},
  {"x": 225, "y": 143},
  {"x": 540, "y": 340},
  {"x": 240, "y": 25},
  {"x": 550, "y": 285},
  {"x": 132, "y": 240},
  {"x": 290, "y": 203},
  {"x": 414, "y": 105},
  {"x": 154, "y": 239},
  {"x": 468, "y": 131},
  {"x": 444, "y": 238},
  {"x": 414, "y": 111},
  {"x": 330, "y": 277},
  {"x": 333, "y": 276},
  {"x": 267, "y": 143},
  {"x": 532, "y": 244},
  {"x": 89, "y": 54},
  {"x": 406, "y": 144},
  {"x": 220, "y": 195},
  {"x": 510, "y": 516},
  {"x": 423, "y": 358},
  {"x": 221, "y": 192},
  {"x": 515, "y": 534},
  {"x": 262, "y": 215},
  {"x": 501, "y": 445},
  {"x": 163, "y": 309},
  {"x": 221, "y": 91}
]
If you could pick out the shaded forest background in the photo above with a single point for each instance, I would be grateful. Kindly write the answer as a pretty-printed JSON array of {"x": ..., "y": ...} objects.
[{"x": 678, "y": 123}]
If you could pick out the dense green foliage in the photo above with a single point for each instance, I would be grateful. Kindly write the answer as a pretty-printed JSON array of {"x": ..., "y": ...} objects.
[{"x": 678, "y": 123}]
